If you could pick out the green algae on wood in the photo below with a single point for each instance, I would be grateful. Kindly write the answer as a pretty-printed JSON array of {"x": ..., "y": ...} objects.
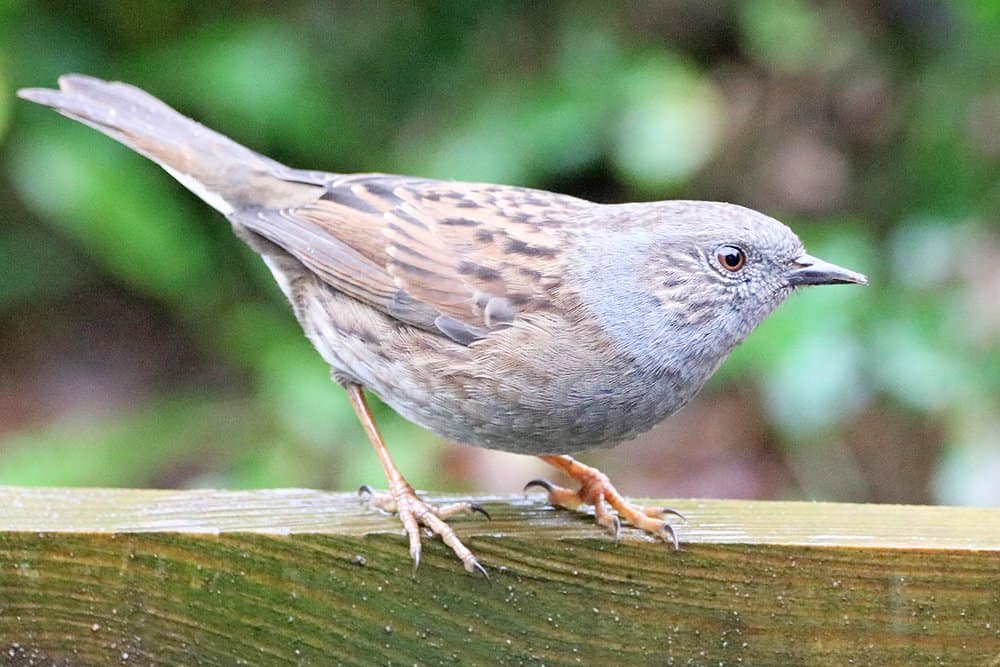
[{"x": 104, "y": 576}]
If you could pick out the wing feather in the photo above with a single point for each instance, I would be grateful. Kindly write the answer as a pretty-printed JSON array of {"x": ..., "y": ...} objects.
[{"x": 459, "y": 259}]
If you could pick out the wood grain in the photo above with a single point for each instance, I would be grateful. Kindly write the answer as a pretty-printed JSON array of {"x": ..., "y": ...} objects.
[{"x": 289, "y": 577}]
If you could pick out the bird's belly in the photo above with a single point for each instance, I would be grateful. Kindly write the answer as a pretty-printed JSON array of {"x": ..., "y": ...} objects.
[
  {"x": 536, "y": 420},
  {"x": 562, "y": 410},
  {"x": 512, "y": 397}
]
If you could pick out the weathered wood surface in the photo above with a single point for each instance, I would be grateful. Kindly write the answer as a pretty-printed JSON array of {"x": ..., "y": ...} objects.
[{"x": 100, "y": 576}]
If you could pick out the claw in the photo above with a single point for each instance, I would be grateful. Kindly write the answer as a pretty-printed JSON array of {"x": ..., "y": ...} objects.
[
  {"x": 482, "y": 570},
  {"x": 402, "y": 499},
  {"x": 476, "y": 507},
  {"x": 669, "y": 510},
  {"x": 610, "y": 508},
  {"x": 543, "y": 483},
  {"x": 670, "y": 534}
]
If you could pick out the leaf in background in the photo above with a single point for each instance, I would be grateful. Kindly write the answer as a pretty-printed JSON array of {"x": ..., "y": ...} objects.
[
  {"x": 254, "y": 73},
  {"x": 970, "y": 466},
  {"x": 924, "y": 251},
  {"x": 6, "y": 99},
  {"x": 549, "y": 122},
  {"x": 786, "y": 34},
  {"x": 117, "y": 205},
  {"x": 36, "y": 268},
  {"x": 671, "y": 123},
  {"x": 134, "y": 449}
]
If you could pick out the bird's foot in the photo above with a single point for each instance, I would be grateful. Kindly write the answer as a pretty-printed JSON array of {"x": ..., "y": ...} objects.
[
  {"x": 404, "y": 501},
  {"x": 414, "y": 512},
  {"x": 597, "y": 490}
]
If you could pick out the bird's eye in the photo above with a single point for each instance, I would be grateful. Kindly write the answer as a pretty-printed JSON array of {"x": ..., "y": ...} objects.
[{"x": 731, "y": 257}]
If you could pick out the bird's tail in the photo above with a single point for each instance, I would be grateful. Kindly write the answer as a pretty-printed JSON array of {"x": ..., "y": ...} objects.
[{"x": 225, "y": 174}]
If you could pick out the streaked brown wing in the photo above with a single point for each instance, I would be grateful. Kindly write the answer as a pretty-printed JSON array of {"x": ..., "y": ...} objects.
[{"x": 459, "y": 259}]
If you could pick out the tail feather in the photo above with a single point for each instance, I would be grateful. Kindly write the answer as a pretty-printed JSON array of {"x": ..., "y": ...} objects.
[{"x": 220, "y": 171}]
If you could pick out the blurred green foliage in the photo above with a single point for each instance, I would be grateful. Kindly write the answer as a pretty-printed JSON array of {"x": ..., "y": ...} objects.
[{"x": 873, "y": 129}]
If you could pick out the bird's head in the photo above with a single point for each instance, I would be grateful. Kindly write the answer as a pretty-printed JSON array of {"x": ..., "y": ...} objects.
[{"x": 702, "y": 275}]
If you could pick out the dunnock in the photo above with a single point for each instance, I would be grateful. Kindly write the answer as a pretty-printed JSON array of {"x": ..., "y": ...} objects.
[{"x": 496, "y": 316}]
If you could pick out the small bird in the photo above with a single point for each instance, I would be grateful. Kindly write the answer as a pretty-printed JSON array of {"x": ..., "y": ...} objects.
[{"x": 495, "y": 316}]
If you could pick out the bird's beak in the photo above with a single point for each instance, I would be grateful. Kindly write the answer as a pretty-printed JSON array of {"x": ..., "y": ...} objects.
[{"x": 809, "y": 270}]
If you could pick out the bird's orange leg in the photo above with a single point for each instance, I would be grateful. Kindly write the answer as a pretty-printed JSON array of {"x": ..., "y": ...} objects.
[
  {"x": 405, "y": 502},
  {"x": 596, "y": 489}
]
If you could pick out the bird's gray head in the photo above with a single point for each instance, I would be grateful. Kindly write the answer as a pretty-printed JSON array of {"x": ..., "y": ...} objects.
[{"x": 690, "y": 280}]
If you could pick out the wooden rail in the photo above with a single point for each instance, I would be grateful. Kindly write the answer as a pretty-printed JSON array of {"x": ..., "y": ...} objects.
[{"x": 286, "y": 577}]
